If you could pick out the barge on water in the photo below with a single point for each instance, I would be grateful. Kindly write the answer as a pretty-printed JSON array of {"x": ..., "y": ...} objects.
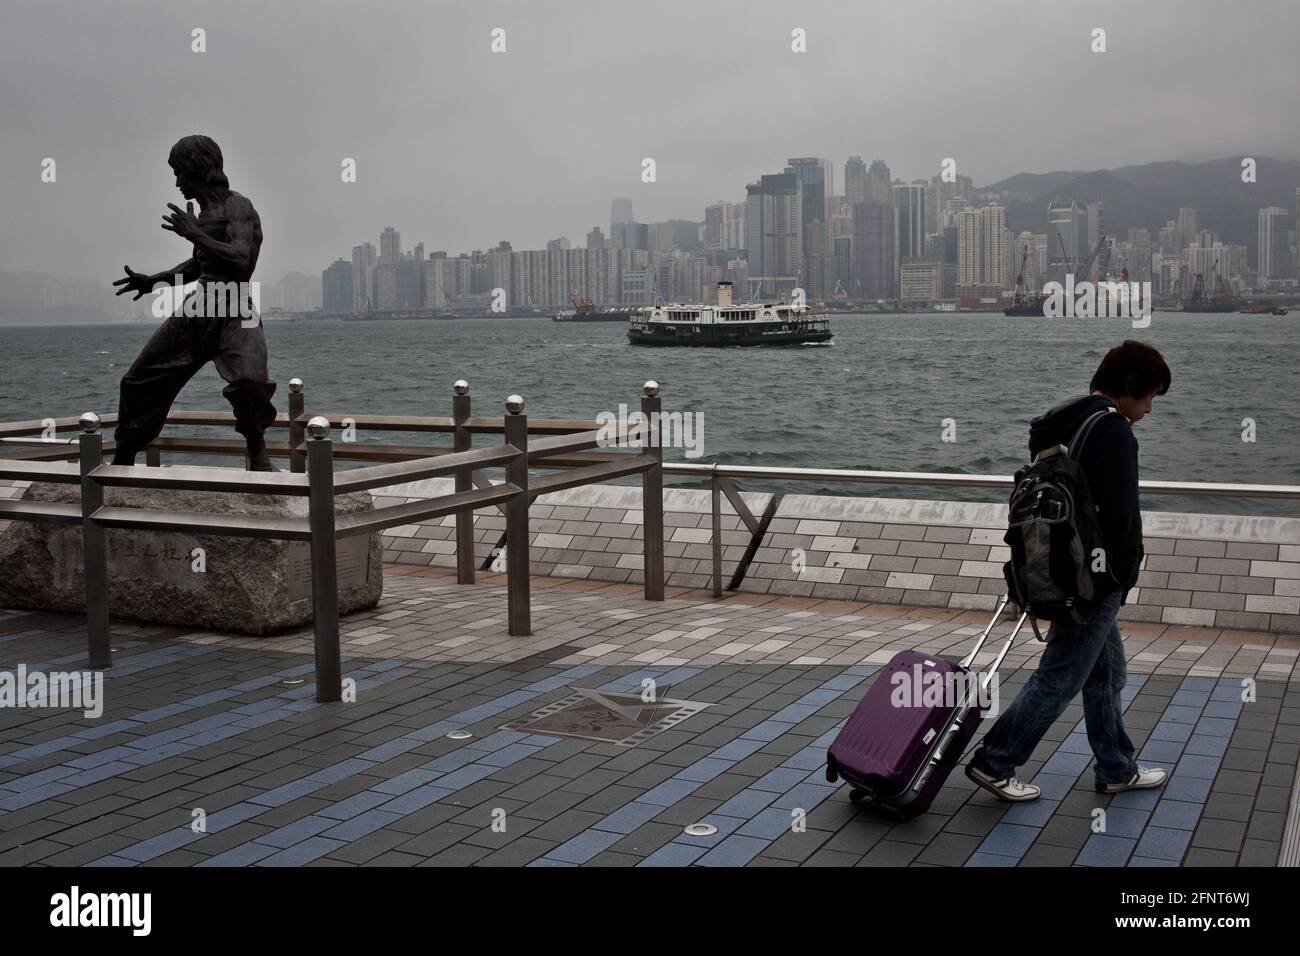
[{"x": 728, "y": 323}]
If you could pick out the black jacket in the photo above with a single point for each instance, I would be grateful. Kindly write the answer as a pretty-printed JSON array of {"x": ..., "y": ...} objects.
[{"x": 1110, "y": 462}]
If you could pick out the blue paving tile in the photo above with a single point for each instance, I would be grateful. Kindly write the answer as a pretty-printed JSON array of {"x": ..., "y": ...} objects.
[
  {"x": 1105, "y": 850},
  {"x": 1149, "y": 862},
  {"x": 1190, "y": 698},
  {"x": 820, "y": 697},
  {"x": 160, "y": 844},
  {"x": 810, "y": 758},
  {"x": 735, "y": 850},
  {"x": 245, "y": 855},
  {"x": 767, "y": 731},
  {"x": 1161, "y": 751},
  {"x": 291, "y": 834},
  {"x": 1191, "y": 789},
  {"x": 1225, "y": 709},
  {"x": 1009, "y": 839},
  {"x": 362, "y": 825},
  {"x": 805, "y": 796},
  {"x": 768, "y": 824},
  {"x": 405, "y": 782},
  {"x": 739, "y": 749},
  {"x": 1176, "y": 814},
  {"x": 1136, "y": 799},
  {"x": 358, "y": 803},
  {"x": 1067, "y": 763},
  {"x": 780, "y": 780},
  {"x": 417, "y": 799},
  {"x": 1194, "y": 765},
  {"x": 747, "y": 803},
  {"x": 702, "y": 771},
  {"x": 628, "y": 818},
  {"x": 584, "y": 846},
  {"x": 1163, "y": 843},
  {"x": 1054, "y": 785},
  {"x": 284, "y": 793},
  {"x": 303, "y": 853},
  {"x": 1207, "y": 746},
  {"x": 793, "y": 713},
  {"x": 843, "y": 682},
  {"x": 669, "y": 792},
  {"x": 341, "y": 771},
  {"x": 674, "y": 854},
  {"x": 1126, "y": 821},
  {"x": 507, "y": 755},
  {"x": 1075, "y": 743},
  {"x": 1171, "y": 731},
  {"x": 1181, "y": 715},
  {"x": 1031, "y": 813},
  {"x": 459, "y": 779},
  {"x": 1216, "y": 726},
  {"x": 980, "y": 858}
]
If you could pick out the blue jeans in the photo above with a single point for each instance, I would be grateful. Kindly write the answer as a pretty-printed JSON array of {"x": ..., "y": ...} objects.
[{"x": 1087, "y": 657}]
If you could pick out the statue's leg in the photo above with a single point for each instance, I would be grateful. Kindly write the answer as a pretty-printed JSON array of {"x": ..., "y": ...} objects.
[
  {"x": 240, "y": 358},
  {"x": 151, "y": 384}
]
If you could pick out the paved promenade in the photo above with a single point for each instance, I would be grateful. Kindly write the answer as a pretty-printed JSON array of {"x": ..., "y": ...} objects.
[{"x": 751, "y": 689}]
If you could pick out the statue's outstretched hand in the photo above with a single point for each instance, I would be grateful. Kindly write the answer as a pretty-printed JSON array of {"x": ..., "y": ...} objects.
[
  {"x": 135, "y": 282},
  {"x": 184, "y": 224}
]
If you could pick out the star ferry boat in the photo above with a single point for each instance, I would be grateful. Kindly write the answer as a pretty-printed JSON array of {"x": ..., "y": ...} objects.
[{"x": 728, "y": 323}]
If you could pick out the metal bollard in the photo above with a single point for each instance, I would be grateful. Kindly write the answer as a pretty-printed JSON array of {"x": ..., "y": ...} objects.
[
  {"x": 462, "y": 440},
  {"x": 517, "y": 565},
  {"x": 94, "y": 546},
  {"x": 297, "y": 457},
  {"x": 324, "y": 570},
  {"x": 717, "y": 533},
  {"x": 652, "y": 496}
]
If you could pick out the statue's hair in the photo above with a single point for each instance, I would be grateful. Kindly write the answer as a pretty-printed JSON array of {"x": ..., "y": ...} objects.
[{"x": 200, "y": 157}]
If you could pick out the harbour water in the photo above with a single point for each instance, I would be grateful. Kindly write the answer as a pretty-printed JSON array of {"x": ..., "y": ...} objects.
[{"x": 877, "y": 398}]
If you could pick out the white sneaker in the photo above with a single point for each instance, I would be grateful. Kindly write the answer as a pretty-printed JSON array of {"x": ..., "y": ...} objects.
[
  {"x": 1144, "y": 779},
  {"x": 1010, "y": 789}
]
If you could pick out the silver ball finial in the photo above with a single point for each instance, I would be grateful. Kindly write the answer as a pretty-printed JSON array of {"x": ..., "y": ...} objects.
[
  {"x": 514, "y": 404},
  {"x": 651, "y": 388},
  {"x": 89, "y": 423},
  {"x": 295, "y": 385},
  {"x": 318, "y": 427},
  {"x": 460, "y": 387}
]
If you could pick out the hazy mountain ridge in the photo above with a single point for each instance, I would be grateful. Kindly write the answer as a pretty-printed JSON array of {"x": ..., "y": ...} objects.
[{"x": 1148, "y": 195}]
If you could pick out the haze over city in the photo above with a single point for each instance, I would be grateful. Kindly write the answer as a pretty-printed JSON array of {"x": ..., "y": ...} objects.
[{"x": 461, "y": 147}]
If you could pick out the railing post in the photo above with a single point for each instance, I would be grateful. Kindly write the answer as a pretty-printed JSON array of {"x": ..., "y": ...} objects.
[
  {"x": 297, "y": 458},
  {"x": 153, "y": 457},
  {"x": 324, "y": 572},
  {"x": 462, "y": 440},
  {"x": 652, "y": 495},
  {"x": 517, "y": 601},
  {"x": 717, "y": 533},
  {"x": 94, "y": 546}
]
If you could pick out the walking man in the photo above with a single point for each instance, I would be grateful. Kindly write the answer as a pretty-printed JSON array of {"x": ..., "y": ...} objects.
[{"x": 1088, "y": 657}]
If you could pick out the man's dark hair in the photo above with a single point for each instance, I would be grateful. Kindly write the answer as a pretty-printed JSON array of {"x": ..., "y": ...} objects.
[
  {"x": 1133, "y": 369},
  {"x": 200, "y": 157}
]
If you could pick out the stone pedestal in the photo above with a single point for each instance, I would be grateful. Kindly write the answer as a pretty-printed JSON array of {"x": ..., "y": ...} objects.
[{"x": 246, "y": 585}]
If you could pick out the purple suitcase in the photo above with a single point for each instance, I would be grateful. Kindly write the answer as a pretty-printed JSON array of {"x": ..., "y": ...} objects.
[{"x": 900, "y": 743}]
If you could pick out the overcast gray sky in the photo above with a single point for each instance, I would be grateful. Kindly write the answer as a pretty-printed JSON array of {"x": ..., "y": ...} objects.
[{"x": 460, "y": 147}]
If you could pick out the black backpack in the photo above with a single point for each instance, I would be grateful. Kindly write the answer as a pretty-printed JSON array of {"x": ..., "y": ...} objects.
[{"x": 1055, "y": 536}]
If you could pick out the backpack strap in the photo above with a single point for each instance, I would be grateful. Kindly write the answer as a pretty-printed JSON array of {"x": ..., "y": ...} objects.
[{"x": 1081, "y": 436}]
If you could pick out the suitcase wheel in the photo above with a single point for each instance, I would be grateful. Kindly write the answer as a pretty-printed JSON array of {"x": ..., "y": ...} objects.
[{"x": 856, "y": 795}]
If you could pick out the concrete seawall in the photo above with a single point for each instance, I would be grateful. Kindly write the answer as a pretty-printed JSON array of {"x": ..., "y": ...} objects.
[{"x": 1225, "y": 571}]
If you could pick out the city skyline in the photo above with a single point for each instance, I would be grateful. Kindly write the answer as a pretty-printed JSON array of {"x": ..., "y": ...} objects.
[{"x": 468, "y": 147}]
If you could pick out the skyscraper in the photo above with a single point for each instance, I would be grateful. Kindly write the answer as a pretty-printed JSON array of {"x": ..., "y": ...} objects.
[
  {"x": 878, "y": 182},
  {"x": 390, "y": 247},
  {"x": 774, "y": 224},
  {"x": 1067, "y": 238},
  {"x": 855, "y": 180},
  {"x": 1274, "y": 248},
  {"x": 873, "y": 251},
  {"x": 982, "y": 247},
  {"x": 336, "y": 287},
  {"x": 620, "y": 210},
  {"x": 909, "y": 207},
  {"x": 814, "y": 192},
  {"x": 363, "y": 276}
]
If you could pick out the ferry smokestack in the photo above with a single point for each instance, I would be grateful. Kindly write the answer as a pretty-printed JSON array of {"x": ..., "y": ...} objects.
[{"x": 724, "y": 294}]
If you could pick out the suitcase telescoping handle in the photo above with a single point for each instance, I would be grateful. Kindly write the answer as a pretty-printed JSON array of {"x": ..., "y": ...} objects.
[{"x": 969, "y": 659}]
